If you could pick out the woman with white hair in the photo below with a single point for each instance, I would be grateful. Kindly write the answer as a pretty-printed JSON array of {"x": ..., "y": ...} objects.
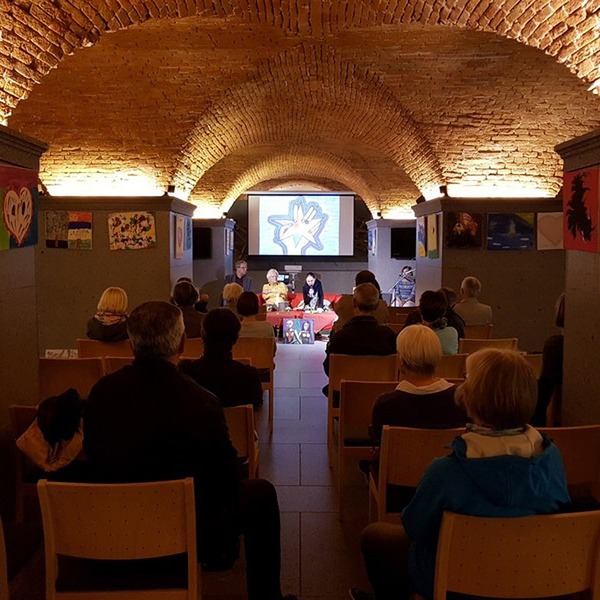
[
  {"x": 421, "y": 399},
  {"x": 274, "y": 291}
]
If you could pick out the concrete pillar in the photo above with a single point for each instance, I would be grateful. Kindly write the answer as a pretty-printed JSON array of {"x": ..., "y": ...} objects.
[
  {"x": 581, "y": 367},
  {"x": 520, "y": 285}
]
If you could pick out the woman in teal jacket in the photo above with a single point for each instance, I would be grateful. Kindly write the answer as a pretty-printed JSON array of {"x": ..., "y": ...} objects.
[{"x": 501, "y": 467}]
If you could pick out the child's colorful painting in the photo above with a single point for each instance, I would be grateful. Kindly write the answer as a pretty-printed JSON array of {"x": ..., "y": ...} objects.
[
  {"x": 80, "y": 231},
  {"x": 432, "y": 236},
  {"x": 421, "y": 237},
  {"x": 131, "y": 231},
  {"x": 57, "y": 228},
  {"x": 18, "y": 197}
]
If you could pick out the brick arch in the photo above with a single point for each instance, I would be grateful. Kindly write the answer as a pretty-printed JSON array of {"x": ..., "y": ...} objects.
[
  {"x": 36, "y": 36},
  {"x": 213, "y": 190},
  {"x": 315, "y": 91}
]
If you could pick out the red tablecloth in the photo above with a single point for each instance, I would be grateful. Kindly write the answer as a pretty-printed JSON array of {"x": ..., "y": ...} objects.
[{"x": 323, "y": 321}]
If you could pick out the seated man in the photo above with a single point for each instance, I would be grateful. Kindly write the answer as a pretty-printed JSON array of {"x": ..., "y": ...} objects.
[
  {"x": 185, "y": 296},
  {"x": 344, "y": 307},
  {"x": 312, "y": 292},
  {"x": 502, "y": 467},
  {"x": 362, "y": 335},
  {"x": 469, "y": 308},
  {"x": 149, "y": 422},
  {"x": 233, "y": 383}
]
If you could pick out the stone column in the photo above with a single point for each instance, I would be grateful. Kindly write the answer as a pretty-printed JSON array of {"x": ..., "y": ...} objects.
[{"x": 581, "y": 366}]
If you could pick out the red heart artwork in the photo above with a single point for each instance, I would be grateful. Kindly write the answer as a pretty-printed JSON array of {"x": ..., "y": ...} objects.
[{"x": 17, "y": 211}]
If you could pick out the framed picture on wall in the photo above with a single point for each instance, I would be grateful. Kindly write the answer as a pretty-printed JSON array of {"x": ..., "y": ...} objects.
[
  {"x": 432, "y": 236},
  {"x": 421, "y": 238},
  {"x": 464, "y": 230},
  {"x": 511, "y": 231},
  {"x": 179, "y": 236},
  {"x": 580, "y": 209},
  {"x": 372, "y": 242},
  {"x": 550, "y": 231}
]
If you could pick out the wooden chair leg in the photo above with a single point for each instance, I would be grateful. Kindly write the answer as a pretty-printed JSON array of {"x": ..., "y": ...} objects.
[
  {"x": 271, "y": 406},
  {"x": 341, "y": 483},
  {"x": 330, "y": 439}
]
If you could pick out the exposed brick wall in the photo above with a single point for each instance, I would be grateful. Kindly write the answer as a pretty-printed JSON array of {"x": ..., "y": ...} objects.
[{"x": 426, "y": 87}]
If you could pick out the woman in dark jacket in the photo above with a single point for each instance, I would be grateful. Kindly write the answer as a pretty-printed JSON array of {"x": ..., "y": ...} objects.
[{"x": 109, "y": 324}]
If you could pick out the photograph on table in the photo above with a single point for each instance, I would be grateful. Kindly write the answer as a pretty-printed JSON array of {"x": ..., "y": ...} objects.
[
  {"x": 511, "y": 231},
  {"x": 298, "y": 331}
]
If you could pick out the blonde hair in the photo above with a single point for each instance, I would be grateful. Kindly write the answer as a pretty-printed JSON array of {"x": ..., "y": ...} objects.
[
  {"x": 470, "y": 286},
  {"x": 231, "y": 292},
  {"x": 114, "y": 301},
  {"x": 419, "y": 349},
  {"x": 500, "y": 390}
]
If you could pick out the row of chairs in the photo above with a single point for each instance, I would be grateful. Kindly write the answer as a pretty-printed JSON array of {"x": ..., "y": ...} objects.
[
  {"x": 477, "y": 332},
  {"x": 125, "y": 522},
  {"x": 240, "y": 421}
]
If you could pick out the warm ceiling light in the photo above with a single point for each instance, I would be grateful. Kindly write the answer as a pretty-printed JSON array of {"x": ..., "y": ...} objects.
[
  {"x": 207, "y": 211},
  {"x": 504, "y": 190},
  {"x": 400, "y": 214},
  {"x": 594, "y": 86},
  {"x": 109, "y": 184}
]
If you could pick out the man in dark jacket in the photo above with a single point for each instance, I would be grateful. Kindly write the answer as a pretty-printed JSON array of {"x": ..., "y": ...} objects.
[
  {"x": 149, "y": 422},
  {"x": 362, "y": 335}
]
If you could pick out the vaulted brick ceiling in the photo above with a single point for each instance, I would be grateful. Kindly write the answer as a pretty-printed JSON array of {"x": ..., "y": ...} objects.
[{"x": 391, "y": 99}]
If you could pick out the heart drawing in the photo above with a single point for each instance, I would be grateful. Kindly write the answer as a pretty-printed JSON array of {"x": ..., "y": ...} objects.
[{"x": 17, "y": 211}]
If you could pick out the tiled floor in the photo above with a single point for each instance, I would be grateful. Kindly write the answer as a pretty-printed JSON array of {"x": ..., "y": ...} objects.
[{"x": 320, "y": 555}]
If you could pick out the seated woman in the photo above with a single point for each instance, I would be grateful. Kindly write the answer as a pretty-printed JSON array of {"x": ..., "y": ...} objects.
[
  {"x": 231, "y": 295},
  {"x": 312, "y": 292},
  {"x": 274, "y": 292},
  {"x": 501, "y": 467},
  {"x": 109, "y": 324},
  {"x": 233, "y": 383},
  {"x": 421, "y": 399},
  {"x": 185, "y": 296},
  {"x": 247, "y": 307}
]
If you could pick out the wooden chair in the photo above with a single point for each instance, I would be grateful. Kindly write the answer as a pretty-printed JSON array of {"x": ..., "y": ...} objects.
[
  {"x": 59, "y": 374},
  {"x": 404, "y": 455},
  {"x": 398, "y": 314},
  {"x": 452, "y": 365},
  {"x": 94, "y": 348},
  {"x": 26, "y": 473},
  {"x": 468, "y": 346},
  {"x": 3, "y": 566},
  {"x": 518, "y": 557},
  {"x": 244, "y": 361},
  {"x": 261, "y": 352},
  {"x": 356, "y": 368},
  {"x": 580, "y": 451},
  {"x": 193, "y": 348},
  {"x": 118, "y": 522},
  {"x": 395, "y": 327},
  {"x": 240, "y": 421},
  {"x": 114, "y": 363},
  {"x": 535, "y": 360},
  {"x": 356, "y": 410},
  {"x": 479, "y": 332}
]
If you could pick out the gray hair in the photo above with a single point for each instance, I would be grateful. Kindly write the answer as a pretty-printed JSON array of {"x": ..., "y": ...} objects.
[
  {"x": 470, "y": 286},
  {"x": 155, "y": 330},
  {"x": 273, "y": 272}
]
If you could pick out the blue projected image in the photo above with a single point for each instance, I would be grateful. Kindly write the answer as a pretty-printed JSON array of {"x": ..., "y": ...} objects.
[{"x": 295, "y": 225}]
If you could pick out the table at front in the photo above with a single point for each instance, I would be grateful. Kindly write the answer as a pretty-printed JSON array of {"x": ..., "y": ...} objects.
[{"x": 323, "y": 321}]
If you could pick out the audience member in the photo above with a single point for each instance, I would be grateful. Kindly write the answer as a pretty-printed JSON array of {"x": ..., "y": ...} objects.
[
  {"x": 202, "y": 305},
  {"x": 247, "y": 307},
  {"x": 109, "y": 324},
  {"x": 550, "y": 381},
  {"x": 344, "y": 307},
  {"x": 469, "y": 308},
  {"x": 452, "y": 318},
  {"x": 233, "y": 383},
  {"x": 432, "y": 308},
  {"x": 421, "y": 399},
  {"x": 274, "y": 291},
  {"x": 150, "y": 422},
  {"x": 312, "y": 292},
  {"x": 185, "y": 296},
  {"x": 231, "y": 295},
  {"x": 240, "y": 276},
  {"x": 405, "y": 288},
  {"x": 362, "y": 335},
  {"x": 501, "y": 467}
]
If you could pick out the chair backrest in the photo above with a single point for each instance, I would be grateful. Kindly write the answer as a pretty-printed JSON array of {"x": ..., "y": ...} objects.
[
  {"x": 361, "y": 368},
  {"x": 240, "y": 421},
  {"x": 535, "y": 361},
  {"x": 3, "y": 566},
  {"x": 468, "y": 346},
  {"x": 395, "y": 327},
  {"x": 580, "y": 451},
  {"x": 244, "y": 361},
  {"x": 21, "y": 418},
  {"x": 193, "y": 348},
  {"x": 452, "y": 365},
  {"x": 519, "y": 557},
  {"x": 60, "y": 374},
  {"x": 119, "y": 522},
  {"x": 260, "y": 351},
  {"x": 398, "y": 314},
  {"x": 94, "y": 348},
  {"x": 356, "y": 406},
  {"x": 406, "y": 452},
  {"x": 479, "y": 332},
  {"x": 114, "y": 363}
]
